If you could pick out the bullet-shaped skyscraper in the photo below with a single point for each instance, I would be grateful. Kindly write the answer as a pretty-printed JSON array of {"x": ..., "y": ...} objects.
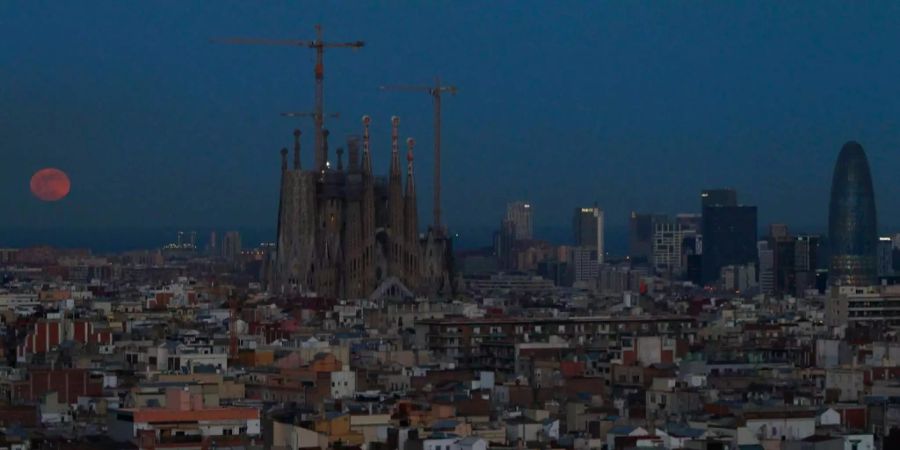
[{"x": 852, "y": 222}]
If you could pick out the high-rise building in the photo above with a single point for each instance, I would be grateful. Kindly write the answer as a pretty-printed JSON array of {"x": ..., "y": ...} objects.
[
  {"x": 504, "y": 245},
  {"x": 852, "y": 222},
  {"x": 231, "y": 245},
  {"x": 585, "y": 261},
  {"x": 519, "y": 213},
  {"x": 783, "y": 247},
  {"x": 587, "y": 227},
  {"x": 587, "y": 255},
  {"x": 729, "y": 233},
  {"x": 668, "y": 236},
  {"x": 640, "y": 236},
  {"x": 885, "y": 264},
  {"x": 766, "y": 267},
  {"x": 718, "y": 197},
  {"x": 806, "y": 262},
  {"x": 212, "y": 246}
]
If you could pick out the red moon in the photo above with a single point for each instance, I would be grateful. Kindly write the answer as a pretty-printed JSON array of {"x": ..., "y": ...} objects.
[{"x": 50, "y": 184}]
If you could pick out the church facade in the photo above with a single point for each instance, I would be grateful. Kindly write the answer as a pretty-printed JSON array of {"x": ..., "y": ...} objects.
[{"x": 344, "y": 233}]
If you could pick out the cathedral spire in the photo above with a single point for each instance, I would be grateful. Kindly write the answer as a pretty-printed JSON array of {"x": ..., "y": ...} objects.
[
  {"x": 395, "y": 147},
  {"x": 410, "y": 181},
  {"x": 410, "y": 223},
  {"x": 325, "y": 134},
  {"x": 395, "y": 198},
  {"x": 353, "y": 150},
  {"x": 366, "y": 157},
  {"x": 283, "y": 159},
  {"x": 296, "y": 149},
  {"x": 340, "y": 162}
]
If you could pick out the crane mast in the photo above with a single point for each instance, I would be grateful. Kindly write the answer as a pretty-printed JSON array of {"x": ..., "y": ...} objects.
[
  {"x": 435, "y": 93},
  {"x": 319, "y": 45}
]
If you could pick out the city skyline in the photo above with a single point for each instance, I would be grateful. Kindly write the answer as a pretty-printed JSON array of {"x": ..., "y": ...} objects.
[
  {"x": 217, "y": 149},
  {"x": 625, "y": 226}
]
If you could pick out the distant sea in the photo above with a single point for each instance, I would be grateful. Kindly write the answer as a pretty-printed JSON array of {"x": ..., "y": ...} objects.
[{"x": 114, "y": 240}]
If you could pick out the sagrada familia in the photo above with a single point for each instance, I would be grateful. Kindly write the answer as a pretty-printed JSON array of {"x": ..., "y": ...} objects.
[{"x": 344, "y": 233}]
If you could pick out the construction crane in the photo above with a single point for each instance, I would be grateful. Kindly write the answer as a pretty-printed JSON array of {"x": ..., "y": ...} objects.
[
  {"x": 435, "y": 93},
  {"x": 319, "y": 45}
]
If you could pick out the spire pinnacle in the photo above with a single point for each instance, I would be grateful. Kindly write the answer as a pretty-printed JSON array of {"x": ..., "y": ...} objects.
[
  {"x": 395, "y": 146},
  {"x": 296, "y": 149},
  {"x": 283, "y": 159},
  {"x": 325, "y": 134},
  {"x": 410, "y": 180},
  {"x": 366, "y": 159}
]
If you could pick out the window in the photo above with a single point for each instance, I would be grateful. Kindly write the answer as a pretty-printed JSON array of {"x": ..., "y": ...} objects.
[{"x": 227, "y": 432}]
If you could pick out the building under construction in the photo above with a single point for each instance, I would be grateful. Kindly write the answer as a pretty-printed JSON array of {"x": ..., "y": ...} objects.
[{"x": 344, "y": 233}]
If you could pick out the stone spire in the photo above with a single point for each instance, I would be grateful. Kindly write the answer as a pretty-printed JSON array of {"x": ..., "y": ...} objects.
[
  {"x": 340, "y": 162},
  {"x": 296, "y": 149},
  {"x": 366, "y": 156},
  {"x": 395, "y": 201},
  {"x": 410, "y": 181},
  {"x": 283, "y": 159},
  {"x": 353, "y": 151},
  {"x": 395, "y": 148},
  {"x": 325, "y": 134},
  {"x": 410, "y": 223}
]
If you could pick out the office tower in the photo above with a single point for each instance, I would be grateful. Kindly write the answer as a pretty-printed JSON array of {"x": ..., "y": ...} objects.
[
  {"x": 587, "y": 227},
  {"x": 852, "y": 222},
  {"x": 885, "y": 257},
  {"x": 778, "y": 231},
  {"x": 668, "y": 238},
  {"x": 212, "y": 246},
  {"x": 586, "y": 263},
  {"x": 729, "y": 233},
  {"x": 587, "y": 255},
  {"x": 738, "y": 277},
  {"x": 231, "y": 245},
  {"x": 806, "y": 262},
  {"x": 640, "y": 236},
  {"x": 504, "y": 245},
  {"x": 519, "y": 213},
  {"x": 718, "y": 197},
  {"x": 689, "y": 222},
  {"x": 782, "y": 245},
  {"x": 766, "y": 267}
]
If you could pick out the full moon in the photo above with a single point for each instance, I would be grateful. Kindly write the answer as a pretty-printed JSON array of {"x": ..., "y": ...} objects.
[{"x": 50, "y": 184}]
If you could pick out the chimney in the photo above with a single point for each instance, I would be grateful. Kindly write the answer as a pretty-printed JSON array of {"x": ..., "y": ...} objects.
[
  {"x": 296, "y": 149},
  {"x": 283, "y": 159}
]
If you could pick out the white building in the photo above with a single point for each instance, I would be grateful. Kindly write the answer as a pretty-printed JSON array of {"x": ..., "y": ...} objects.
[
  {"x": 668, "y": 236},
  {"x": 343, "y": 384}
]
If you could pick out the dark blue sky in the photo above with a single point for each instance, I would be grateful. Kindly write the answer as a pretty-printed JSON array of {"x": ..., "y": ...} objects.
[{"x": 634, "y": 105}]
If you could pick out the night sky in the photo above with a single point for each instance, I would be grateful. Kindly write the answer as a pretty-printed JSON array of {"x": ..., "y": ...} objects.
[{"x": 634, "y": 105}]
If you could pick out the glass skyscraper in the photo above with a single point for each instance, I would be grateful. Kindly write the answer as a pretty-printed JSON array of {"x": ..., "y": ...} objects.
[{"x": 852, "y": 223}]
